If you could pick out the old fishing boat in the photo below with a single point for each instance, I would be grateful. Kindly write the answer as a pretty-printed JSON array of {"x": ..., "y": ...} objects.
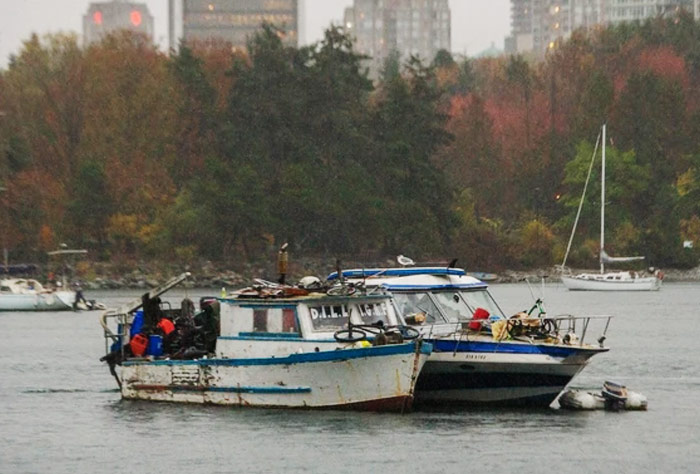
[
  {"x": 481, "y": 356},
  {"x": 269, "y": 345}
]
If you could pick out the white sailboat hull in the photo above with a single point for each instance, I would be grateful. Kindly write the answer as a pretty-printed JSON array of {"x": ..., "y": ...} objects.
[{"x": 618, "y": 281}]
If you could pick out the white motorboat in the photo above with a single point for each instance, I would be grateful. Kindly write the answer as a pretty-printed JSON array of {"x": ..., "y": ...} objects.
[
  {"x": 480, "y": 356},
  {"x": 607, "y": 281},
  {"x": 26, "y": 294},
  {"x": 270, "y": 346}
]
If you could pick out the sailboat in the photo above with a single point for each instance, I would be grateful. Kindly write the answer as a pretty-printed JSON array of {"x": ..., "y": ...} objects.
[{"x": 608, "y": 281}]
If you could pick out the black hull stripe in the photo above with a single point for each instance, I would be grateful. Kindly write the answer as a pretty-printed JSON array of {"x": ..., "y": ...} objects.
[
  {"x": 431, "y": 382},
  {"x": 535, "y": 401}
]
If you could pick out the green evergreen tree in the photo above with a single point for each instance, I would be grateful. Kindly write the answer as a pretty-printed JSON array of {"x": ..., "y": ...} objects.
[
  {"x": 90, "y": 206},
  {"x": 408, "y": 129}
]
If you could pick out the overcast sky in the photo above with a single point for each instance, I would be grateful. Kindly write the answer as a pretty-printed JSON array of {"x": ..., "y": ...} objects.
[{"x": 476, "y": 24}]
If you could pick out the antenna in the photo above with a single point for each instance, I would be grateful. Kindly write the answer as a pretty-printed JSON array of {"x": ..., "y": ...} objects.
[
  {"x": 341, "y": 279},
  {"x": 282, "y": 259}
]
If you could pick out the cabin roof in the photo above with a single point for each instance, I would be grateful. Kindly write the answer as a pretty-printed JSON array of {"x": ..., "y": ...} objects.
[
  {"x": 413, "y": 278},
  {"x": 403, "y": 271}
]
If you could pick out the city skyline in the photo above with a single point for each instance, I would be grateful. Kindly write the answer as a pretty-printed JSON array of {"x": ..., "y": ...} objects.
[{"x": 470, "y": 33}]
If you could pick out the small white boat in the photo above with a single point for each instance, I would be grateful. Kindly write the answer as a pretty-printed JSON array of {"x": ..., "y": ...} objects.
[
  {"x": 613, "y": 281},
  {"x": 613, "y": 396},
  {"x": 26, "y": 294},
  {"x": 272, "y": 346},
  {"x": 607, "y": 281},
  {"x": 483, "y": 276}
]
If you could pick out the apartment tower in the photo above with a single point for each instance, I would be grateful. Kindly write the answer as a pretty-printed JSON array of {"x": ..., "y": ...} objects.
[
  {"x": 538, "y": 25},
  {"x": 408, "y": 27},
  {"x": 232, "y": 21}
]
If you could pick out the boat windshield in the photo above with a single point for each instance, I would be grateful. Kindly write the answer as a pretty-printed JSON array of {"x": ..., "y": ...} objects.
[
  {"x": 450, "y": 306},
  {"x": 481, "y": 299},
  {"x": 412, "y": 304}
]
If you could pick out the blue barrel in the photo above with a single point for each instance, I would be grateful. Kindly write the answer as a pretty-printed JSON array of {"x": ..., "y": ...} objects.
[
  {"x": 137, "y": 323},
  {"x": 155, "y": 345}
]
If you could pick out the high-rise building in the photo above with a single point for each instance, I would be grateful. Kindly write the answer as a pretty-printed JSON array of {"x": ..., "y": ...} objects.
[
  {"x": 408, "y": 27},
  {"x": 106, "y": 17},
  {"x": 233, "y": 21},
  {"x": 618, "y": 11},
  {"x": 537, "y": 25}
]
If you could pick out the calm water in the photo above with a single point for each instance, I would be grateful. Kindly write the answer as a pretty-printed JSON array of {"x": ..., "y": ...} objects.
[{"x": 60, "y": 411}]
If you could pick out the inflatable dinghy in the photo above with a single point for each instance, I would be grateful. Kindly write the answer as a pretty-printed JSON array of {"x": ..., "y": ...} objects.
[{"x": 613, "y": 396}]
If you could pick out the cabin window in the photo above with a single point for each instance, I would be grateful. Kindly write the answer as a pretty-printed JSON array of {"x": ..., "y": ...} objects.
[
  {"x": 260, "y": 320},
  {"x": 289, "y": 320},
  {"x": 329, "y": 318},
  {"x": 373, "y": 312},
  {"x": 275, "y": 320}
]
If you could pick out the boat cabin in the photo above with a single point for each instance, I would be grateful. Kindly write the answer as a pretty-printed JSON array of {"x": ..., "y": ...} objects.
[
  {"x": 254, "y": 322},
  {"x": 443, "y": 298},
  {"x": 251, "y": 326},
  {"x": 20, "y": 286}
]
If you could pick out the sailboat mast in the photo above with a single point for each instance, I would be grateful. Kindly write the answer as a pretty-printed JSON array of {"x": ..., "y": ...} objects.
[
  {"x": 580, "y": 203},
  {"x": 602, "y": 206}
]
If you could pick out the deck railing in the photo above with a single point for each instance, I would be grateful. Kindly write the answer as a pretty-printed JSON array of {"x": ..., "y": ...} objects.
[{"x": 560, "y": 329}]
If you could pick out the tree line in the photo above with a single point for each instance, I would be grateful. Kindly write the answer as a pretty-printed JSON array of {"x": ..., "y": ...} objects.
[{"x": 209, "y": 153}]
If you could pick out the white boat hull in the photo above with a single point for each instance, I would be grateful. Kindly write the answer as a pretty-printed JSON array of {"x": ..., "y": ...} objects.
[
  {"x": 598, "y": 284},
  {"x": 50, "y": 301},
  {"x": 373, "y": 378},
  {"x": 508, "y": 377}
]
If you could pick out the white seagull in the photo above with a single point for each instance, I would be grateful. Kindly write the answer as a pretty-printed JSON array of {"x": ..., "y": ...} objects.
[{"x": 404, "y": 261}]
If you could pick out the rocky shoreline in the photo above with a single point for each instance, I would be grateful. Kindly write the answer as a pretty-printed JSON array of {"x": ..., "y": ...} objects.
[{"x": 207, "y": 275}]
